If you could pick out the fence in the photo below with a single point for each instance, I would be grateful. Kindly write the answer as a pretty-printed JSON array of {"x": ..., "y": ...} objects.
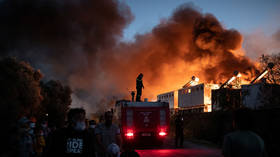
[{"x": 214, "y": 125}]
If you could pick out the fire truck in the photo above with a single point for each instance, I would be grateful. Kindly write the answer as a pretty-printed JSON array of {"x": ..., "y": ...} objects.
[{"x": 143, "y": 121}]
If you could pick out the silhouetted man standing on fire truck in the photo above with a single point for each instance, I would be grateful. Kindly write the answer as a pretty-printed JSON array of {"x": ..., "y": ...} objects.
[{"x": 139, "y": 86}]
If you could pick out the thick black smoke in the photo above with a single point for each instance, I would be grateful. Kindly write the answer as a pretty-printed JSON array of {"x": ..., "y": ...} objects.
[
  {"x": 79, "y": 42},
  {"x": 61, "y": 35}
]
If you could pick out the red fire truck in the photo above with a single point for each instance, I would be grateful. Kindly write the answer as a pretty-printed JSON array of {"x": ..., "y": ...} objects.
[{"x": 143, "y": 121}]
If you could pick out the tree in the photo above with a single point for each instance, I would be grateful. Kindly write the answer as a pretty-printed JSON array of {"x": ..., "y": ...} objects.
[
  {"x": 19, "y": 94},
  {"x": 20, "y": 88},
  {"x": 274, "y": 75},
  {"x": 57, "y": 99}
]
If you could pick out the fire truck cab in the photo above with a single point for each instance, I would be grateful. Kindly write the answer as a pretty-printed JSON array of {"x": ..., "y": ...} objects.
[{"x": 143, "y": 121}]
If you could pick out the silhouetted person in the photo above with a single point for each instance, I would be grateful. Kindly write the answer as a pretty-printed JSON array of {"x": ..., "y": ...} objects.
[
  {"x": 73, "y": 141},
  {"x": 92, "y": 125},
  {"x": 179, "y": 130},
  {"x": 132, "y": 95},
  {"x": 91, "y": 130},
  {"x": 101, "y": 119},
  {"x": 106, "y": 134},
  {"x": 25, "y": 138},
  {"x": 139, "y": 86},
  {"x": 243, "y": 142}
]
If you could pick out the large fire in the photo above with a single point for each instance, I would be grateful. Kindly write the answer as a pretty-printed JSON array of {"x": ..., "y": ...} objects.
[
  {"x": 188, "y": 43},
  {"x": 80, "y": 44}
]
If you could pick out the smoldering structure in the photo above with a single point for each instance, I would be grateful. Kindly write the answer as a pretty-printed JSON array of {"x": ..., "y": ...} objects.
[
  {"x": 79, "y": 43},
  {"x": 196, "y": 96}
]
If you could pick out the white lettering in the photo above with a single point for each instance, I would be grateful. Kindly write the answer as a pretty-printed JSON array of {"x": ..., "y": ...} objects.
[{"x": 74, "y": 145}]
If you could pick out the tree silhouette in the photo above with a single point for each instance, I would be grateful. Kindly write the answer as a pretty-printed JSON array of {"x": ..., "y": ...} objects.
[
  {"x": 19, "y": 94},
  {"x": 57, "y": 99},
  {"x": 274, "y": 75}
]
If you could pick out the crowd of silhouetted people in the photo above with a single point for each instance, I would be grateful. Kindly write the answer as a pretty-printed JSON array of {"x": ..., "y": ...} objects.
[
  {"x": 79, "y": 137},
  {"x": 83, "y": 138},
  {"x": 32, "y": 137}
]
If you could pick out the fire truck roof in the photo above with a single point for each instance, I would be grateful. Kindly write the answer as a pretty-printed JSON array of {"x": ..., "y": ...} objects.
[{"x": 141, "y": 104}]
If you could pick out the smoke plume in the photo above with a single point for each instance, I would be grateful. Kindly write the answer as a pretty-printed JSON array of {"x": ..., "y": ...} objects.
[
  {"x": 258, "y": 43},
  {"x": 79, "y": 42}
]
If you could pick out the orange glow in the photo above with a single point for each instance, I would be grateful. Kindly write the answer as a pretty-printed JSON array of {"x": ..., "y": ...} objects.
[
  {"x": 188, "y": 43},
  {"x": 176, "y": 99},
  {"x": 174, "y": 78},
  {"x": 239, "y": 75},
  {"x": 233, "y": 78}
]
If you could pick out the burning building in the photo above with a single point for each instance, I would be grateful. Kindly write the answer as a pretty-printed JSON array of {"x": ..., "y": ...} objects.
[
  {"x": 226, "y": 99},
  {"x": 228, "y": 96},
  {"x": 259, "y": 94},
  {"x": 82, "y": 33},
  {"x": 256, "y": 95},
  {"x": 192, "y": 96},
  {"x": 171, "y": 98},
  {"x": 196, "y": 98}
]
